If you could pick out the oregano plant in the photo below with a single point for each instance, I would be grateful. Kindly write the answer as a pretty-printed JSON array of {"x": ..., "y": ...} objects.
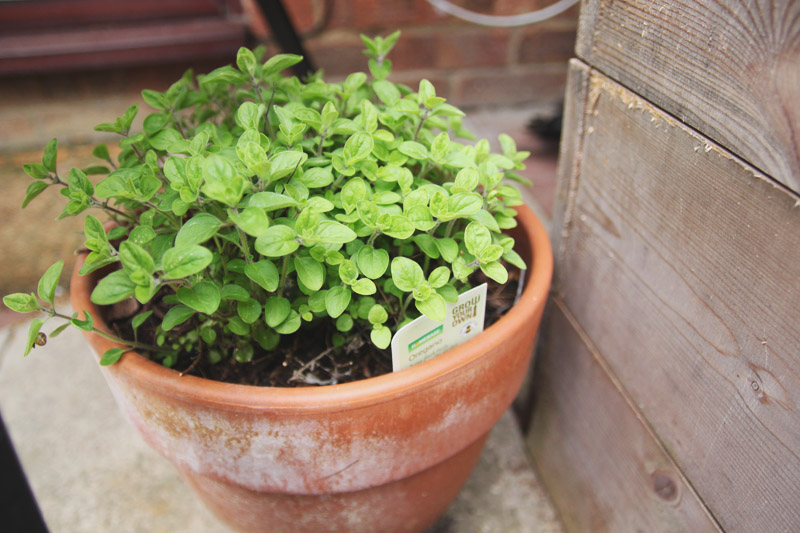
[{"x": 253, "y": 207}]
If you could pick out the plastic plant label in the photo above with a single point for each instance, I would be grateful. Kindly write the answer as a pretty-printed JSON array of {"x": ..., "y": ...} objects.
[{"x": 424, "y": 338}]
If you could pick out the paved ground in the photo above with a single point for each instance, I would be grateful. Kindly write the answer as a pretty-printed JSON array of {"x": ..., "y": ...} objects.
[{"x": 90, "y": 472}]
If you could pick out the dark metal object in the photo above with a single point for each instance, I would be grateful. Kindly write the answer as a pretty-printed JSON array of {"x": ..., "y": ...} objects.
[
  {"x": 286, "y": 35},
  {"x": 18, "y": 509}
]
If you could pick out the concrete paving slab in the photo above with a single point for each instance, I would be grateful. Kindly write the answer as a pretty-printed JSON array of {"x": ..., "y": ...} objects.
[{"x": 92, "y": 473}]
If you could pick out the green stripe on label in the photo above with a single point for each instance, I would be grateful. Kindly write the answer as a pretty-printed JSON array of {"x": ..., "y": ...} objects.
[{"x": 425, "y": 338}]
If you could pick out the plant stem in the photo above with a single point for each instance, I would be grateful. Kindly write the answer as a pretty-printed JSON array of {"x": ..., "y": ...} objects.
[
  {"x": 422, "y": 120},
  {"x": 246, "y": 250},
  {"x": 94, "y": 202},
  {"x": 221, "y": 255},
  {"x": 169, "y": 216},
  {"x": 449, "y": 227},
  {"x": 405, "y": 304},
  {"x": 132, "y": 344},
  {"x": 177, "y": 122},
  {"x": 322, "y": 137},
  {"x": 425, "y": 169},
  {"x": 385, "y": 298},
  {"x": 284, "y": 269},
  {"x": 267, "y": 122},
  {"x": 335, "y": 183},
  {"x": 372, "y": 237},
  {"x": 245, "y": 246},
  {"x": 138, "y": 152},
  {"x": 111, "y": 210},
  {"x": 114, "y": 338}
]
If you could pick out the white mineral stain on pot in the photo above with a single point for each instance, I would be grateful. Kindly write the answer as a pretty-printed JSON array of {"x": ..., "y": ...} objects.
[{"x": 297, "y": 456}]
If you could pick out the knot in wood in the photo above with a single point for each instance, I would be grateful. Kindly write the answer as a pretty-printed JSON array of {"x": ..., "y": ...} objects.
[{"x": 664, "y": 486}]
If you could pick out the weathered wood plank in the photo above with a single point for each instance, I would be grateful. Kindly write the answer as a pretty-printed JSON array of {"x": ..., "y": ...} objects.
[
  {"x": 683, "y": 267},
  {"x": 576, "y": 91},
  {"x": 728, "y": 68},
  {"x": 568, "y": 161},
  {"x": 601, "y": 466}
]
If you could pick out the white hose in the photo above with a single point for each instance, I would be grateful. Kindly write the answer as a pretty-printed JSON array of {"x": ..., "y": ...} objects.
[{"x": 499, "y": 20}]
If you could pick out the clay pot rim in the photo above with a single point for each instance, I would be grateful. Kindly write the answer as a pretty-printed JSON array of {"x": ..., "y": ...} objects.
[{"x": 346, "y": 396}]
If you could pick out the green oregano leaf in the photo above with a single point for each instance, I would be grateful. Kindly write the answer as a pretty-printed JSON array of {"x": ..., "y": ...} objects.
[
  {"x": 400, "y": 228},
  {"x": 381, "y": 336},
  {"x": 448, "y": 248},
  {"x": 414, "y": 150},
  {"x": 249, "y": 310},
  {"x": 291, "y": 324},
  {"x": 439, "y": 277},
  {"x": 135, "y": 258},
  {"x": 449, "y": 293},
  {"x": 87, "y": 324},
  {"x": 113, "y": 288},
  {"x": 434, "y": 307},
  {"x": 344, "y": 323},
  {"x": 203, "y": 297},
  {"x": 50, "y": 155},
  {"x": 234, "y": 292},
  {"x": 406, "y": 273},
  {"x": 140, "y": 319},
  {"x": 348, "y": 272},
  {"x": 372, "y": 262},
  {"x": 386, "y": 91},
  {"x": 264, "y": 273},
  {"x": 246, "y": 61},
  {"x": 310, "y": 272},
  {"x": 183, "y": 261},
  {"x": 276, "y": 310},
  {"x": 60, "y": 329},
  {"x": 337, "y": 299},
  {"x": 513, "y": 258},
  {"x": 495, "y": 271},
  {"x": 357, "y": 148},
  {"x": 252, "y": 220},
  {"x": 279, "y": 62},
  {"x": 49, "y": 281},
  {"x": 463, "y": 204},
  {"x": 330, "y": 232},
  {"x": 34, "y": 337},
  {"x": 364, "y": 287},
  {"x": 112, "y": 355},
  {"x": 277, "y": 241},
  {"x": 21, "y": 302},
  {"x": 197, "y": 230},
  {"x": 476, "y": 237},
  {"x": 237, "y": 326},
  {"x": 34, "y": 189}
]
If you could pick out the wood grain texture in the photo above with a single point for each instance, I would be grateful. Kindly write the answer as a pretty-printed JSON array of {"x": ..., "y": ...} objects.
[
  {"x": 601, "y": 466},
  {"x": 568, "y": 161},
  {"x": 682, "y": 265},
  {"x": 728, "y": 68}
]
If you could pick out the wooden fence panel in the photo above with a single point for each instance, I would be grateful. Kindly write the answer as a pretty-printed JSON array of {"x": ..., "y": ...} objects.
[
  {"x": 728, "y": 68},
  {"x": 682, "y": 265}
]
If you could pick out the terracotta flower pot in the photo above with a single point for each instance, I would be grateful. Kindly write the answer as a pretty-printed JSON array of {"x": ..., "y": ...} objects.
[{"x": 384, "y": 454}]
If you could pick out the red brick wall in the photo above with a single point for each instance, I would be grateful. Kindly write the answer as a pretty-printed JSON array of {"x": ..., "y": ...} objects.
[{"x": 470, "y": 65}]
